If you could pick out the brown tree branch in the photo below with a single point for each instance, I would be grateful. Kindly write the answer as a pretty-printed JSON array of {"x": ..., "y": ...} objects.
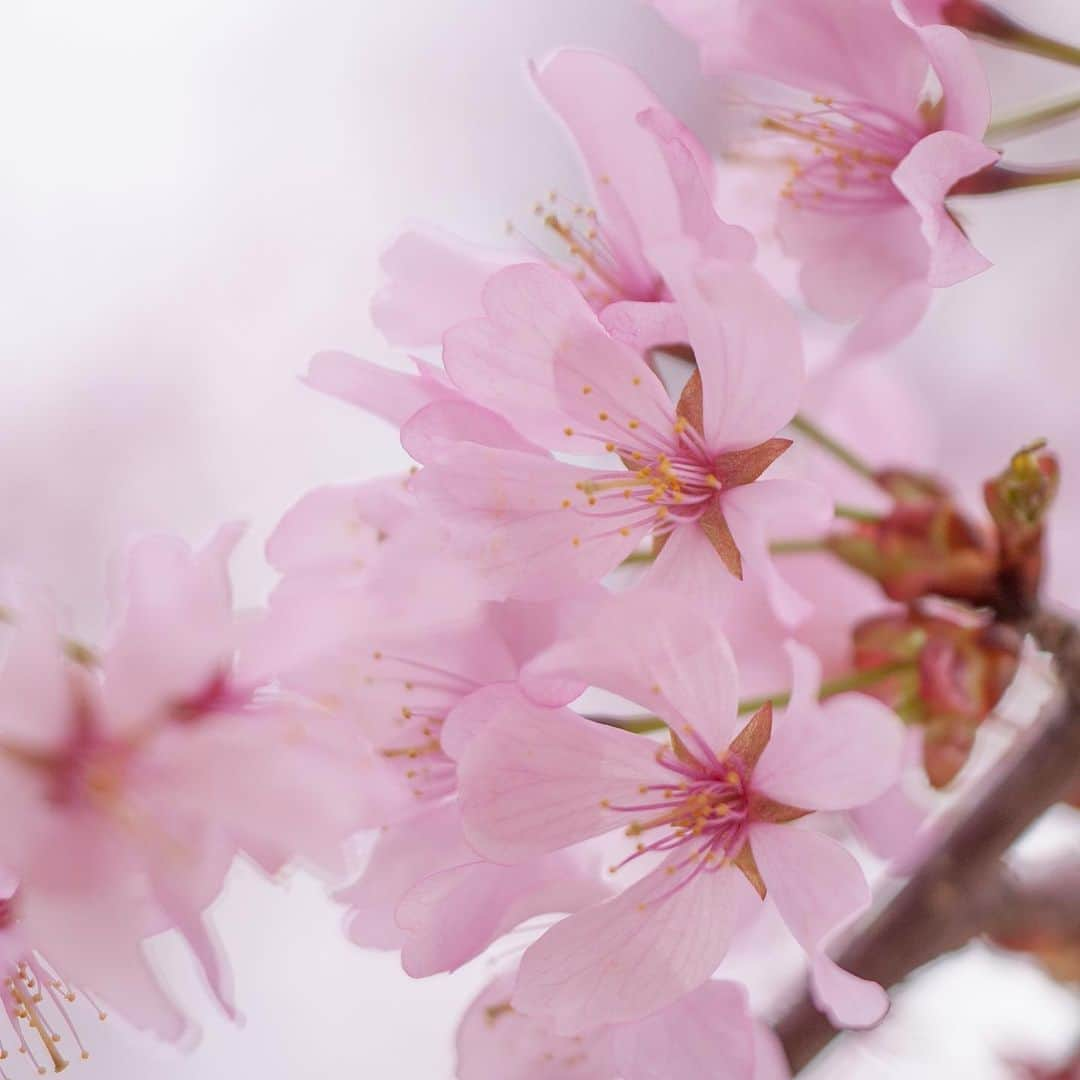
[{"x": 944, "y": 904}]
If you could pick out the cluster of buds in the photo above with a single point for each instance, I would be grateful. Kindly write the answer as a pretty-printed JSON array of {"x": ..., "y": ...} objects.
[
  {"x": 958, "y": 666},
  {"x": 927, "y": 546}
]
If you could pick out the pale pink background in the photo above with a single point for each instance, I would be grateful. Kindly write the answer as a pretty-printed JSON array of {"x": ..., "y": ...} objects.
[{"x": 192, "y": 197}]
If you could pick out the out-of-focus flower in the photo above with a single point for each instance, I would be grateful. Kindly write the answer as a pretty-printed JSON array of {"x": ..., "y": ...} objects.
[
  {"x": 639, "y": 193},
  {"x": 132, "y": 777},
  {"x": 872, "y": 160},
  {"x": 713, "y": 810},
  {"x": 708, "y": 1033},
  {"x": 398, "y": 662}
]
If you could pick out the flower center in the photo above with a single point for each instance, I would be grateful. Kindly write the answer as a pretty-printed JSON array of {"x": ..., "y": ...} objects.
[
  {"x": 843, "y": 154},
  {"x": 591, "y": 256},
  {"x": 704, "y": 812},
  {"x": 35, "y": 1001},
  {"x": 410, "y": 740},
  {"x": 667, "y": 481}
]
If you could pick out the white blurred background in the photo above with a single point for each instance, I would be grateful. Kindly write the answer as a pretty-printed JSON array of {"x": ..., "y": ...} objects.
[{"x": 193, "y": 195}]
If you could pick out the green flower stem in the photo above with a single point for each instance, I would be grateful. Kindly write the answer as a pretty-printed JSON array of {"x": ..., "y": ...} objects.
[
  {"x": 807, "y": 427},
  {"x": 798, "y": 547},
  {"x": 1000, "y": 178},
  {"x": 855, "y": 513},
  {"x": 1034, "y": 118},
  {"x": 856, "y": 680},
  {"x": 986, "y": 21}
]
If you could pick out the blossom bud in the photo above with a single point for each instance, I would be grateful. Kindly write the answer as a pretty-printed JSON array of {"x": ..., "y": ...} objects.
[
  {"x": 959, "y": 672},
  {"x": 923, "y": 545},
  {"x": 1019, "y": 500}
]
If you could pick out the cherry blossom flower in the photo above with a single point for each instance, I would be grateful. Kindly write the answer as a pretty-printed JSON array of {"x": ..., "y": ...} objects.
[
  {"x": 686, "y": 475},
  {"x": 398, "y": 664},
  {"x": 707, "y": 1034},
  {"x": 872, "y": 161},
  {"x": 130, "y": 779},
  {"x": 715, "y": 810},
  {"x": 435, "y": 281}
]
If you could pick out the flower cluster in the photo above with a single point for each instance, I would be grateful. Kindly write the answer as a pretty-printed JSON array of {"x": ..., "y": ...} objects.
[{"x": 638, "y": 654}]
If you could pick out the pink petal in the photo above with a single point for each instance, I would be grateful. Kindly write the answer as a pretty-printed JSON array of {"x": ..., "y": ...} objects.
[
  {"x": 689, "y": 567},
  {"x": 707, "y": 1033},
  {"x": 392, "y": 395},
  {"x": 505, "y": 360},
  {"x": 173, "y": 632},
  {"x": 180, "y": 899},
  {"x": 624, "y": 959},
  {"x": 403, "y": 856},
  {"x": 86, "y": 907},
  {"x": 509, "y": 519},
  {"x": 645, "y": 325},
  {"x": 747, "y": 343},
  {"x": 925, "y": 177},
  {"x": 887, "y": 321},
  {"x": 847, "y": 1000},
  {"x": 770, "y": 1062},
  {"x": 436, "y": 428},
  {"x": 453, "y": 915},
  {"x": 606, "y": 388},
  {"x": 286, "y": 784},
  {"x": 841, "y": 753},
  {"x": 600, "y": 100},
  {"x": 433, "y": 281},
  {"x": 36, "y": 706},
  {"x": 474, "y": 713},
  {"x": 754, "y": 513},
  {"x": 853, "y": 262},
  {"x": 494, "y": 1040},
  {"x": 861, "y": 51},
  {"x": 818, "y": 888},
  {"x": 659, "y": 649},
  {"x": 964, "y": 85},
  {"x": 890, "y": 825},
  {"x": 328, "y": 531},
  {"x": 694, "y": 191},
  {"x": 534, "y": 780}
]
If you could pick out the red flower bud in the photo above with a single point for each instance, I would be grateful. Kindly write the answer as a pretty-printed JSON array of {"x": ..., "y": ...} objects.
[
  {"x": 959, "y": 671},
  {"x": 924, "y": 545}
]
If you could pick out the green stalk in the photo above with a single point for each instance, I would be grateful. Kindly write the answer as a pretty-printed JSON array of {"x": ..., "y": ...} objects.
[
  {"x": 998, "y": 178},
  {"x": 1034, "y": 118},
  {"x": 855, "y": 680},
  {"x": 804, "y": 426},
  {"x": 986, "y": 21},
  {"x": 797, "y": 547},
  {"x": 856, "y": 513}
]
